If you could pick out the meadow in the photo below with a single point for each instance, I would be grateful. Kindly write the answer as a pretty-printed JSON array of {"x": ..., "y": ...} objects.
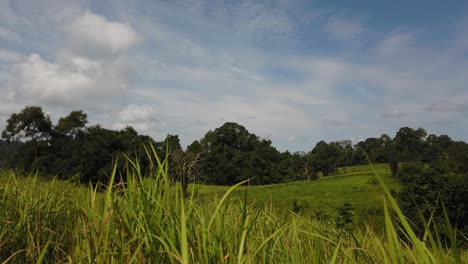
[
  {"x": 321, "y": 199},
  {"x": 151, "y": 221}
]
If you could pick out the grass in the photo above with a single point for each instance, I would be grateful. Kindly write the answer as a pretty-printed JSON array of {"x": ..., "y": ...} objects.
[
  {"x": 321, "y": 199},
  {"x": 150, "y": 221}
]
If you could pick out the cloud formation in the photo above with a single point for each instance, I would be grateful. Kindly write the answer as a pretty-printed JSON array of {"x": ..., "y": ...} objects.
[
  {"x": 92, "y": 31},
  {"x": 141, "y": 117},
  {"x": 68, "y": 81},
  {"x": 295, "y": 71},
  {"x": 95, "y": 68}
]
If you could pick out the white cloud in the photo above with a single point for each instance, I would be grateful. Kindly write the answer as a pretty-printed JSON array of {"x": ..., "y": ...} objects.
[
  {"x": 216, "y": 62},
  {"x": 68, "y": 82},
  {"x": 141, "y": 117},
  {"x": 94, "y": 31},
  {"x": 90, "y": 68},
  {"x": 134, "y": 113}
]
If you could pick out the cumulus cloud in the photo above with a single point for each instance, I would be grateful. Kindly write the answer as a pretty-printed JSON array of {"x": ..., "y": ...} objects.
[
  {"x": 229, "y": 61},
  {"x": 141, "y": 117},
  {"x": 92, "y": 31},
  {"x": 69, "y": 81},
  {"x": 92, "y": 65}
]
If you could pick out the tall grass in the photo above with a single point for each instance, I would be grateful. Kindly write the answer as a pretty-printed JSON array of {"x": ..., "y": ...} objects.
[{"x": 150, "y": 220}]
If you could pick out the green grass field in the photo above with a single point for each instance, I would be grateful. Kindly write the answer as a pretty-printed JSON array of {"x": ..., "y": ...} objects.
[
  {"x": 321, "y": 199},
  {"x": 149, "y": 221}
]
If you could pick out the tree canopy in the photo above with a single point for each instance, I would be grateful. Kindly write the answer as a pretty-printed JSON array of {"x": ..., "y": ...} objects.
[{"x": 29, "y": 123}]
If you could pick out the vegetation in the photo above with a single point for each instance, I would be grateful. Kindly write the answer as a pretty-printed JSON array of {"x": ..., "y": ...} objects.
[
  {"x": 322, "y": 199},
  {"x": 150, "y": 220},
  {"x": 322, "y": 205},
  {"x": 434, "y": 192},
  {"x": 224, "y": 156}
]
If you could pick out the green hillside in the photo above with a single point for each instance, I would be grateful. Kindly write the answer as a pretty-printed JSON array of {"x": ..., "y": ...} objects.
[{"x": 321, "y": 199}]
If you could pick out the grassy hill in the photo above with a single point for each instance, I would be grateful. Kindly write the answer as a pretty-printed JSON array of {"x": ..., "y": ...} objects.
[{"x": 321, "y": 199}]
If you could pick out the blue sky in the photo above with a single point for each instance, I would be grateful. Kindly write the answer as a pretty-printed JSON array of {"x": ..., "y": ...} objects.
[{"x": 293, "y": 71}]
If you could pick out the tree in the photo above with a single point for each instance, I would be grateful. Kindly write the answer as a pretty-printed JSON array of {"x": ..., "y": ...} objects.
[
  {"x": 346, "y": 149},
  {"x": 410, "y": 143},
  {"x": 308, "y": 169},
  {"x": 9, "y": 152},
  {"x": 424, "y": 188},
  {"x": 458, "y": 154},
  {"x": 32, "y": 126},
  {"x": 436, "y": 147},
  {"x": 224, "y": 150},
  {"x": 384, "y": 141},
  {"x": 98, "y": 151},
  {"x": 29, "y": 124},
  {"x": 289, "y": 167},
  {"x": 72, "y": 124},
  {"x": 232, "y": 154},
  {"x": 328, "y": 157},
  {"x": 187, "y": 167}
]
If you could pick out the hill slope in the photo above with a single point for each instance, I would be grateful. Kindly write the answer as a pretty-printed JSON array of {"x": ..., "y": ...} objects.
[{"x": 321, "y": 199}]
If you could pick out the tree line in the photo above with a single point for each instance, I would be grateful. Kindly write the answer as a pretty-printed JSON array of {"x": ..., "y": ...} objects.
[{"x": 224, "y": 156}]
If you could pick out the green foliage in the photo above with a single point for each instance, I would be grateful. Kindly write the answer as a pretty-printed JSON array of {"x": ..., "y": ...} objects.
[
  {"x": 298, "y": 205},
  {"x": 8, "y": 153},
  {"x": 321, "y": 199},
  {"x": 150, "y": 221},
  {"x": 328, "y": 157},
  {"x": 72, "y": 124},
  {"x": 71, "y": 149},
  {"x": 224, "y": 156},
  {"x": 232, "y": 154},
  {"x": 394, "y": 168},
  {"x": 345, "y": 217},
  {"x": 410, "y": 143},
  {"x": 427, "y": 189},
  {"x": 29, "y": 123}
]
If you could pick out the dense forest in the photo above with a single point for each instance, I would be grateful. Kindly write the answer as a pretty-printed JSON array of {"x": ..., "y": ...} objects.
[{"x": 433, "y": 170}]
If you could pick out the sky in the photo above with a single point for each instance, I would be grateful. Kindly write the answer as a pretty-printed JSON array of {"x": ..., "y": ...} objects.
[{"x": 295, "y": 72}]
